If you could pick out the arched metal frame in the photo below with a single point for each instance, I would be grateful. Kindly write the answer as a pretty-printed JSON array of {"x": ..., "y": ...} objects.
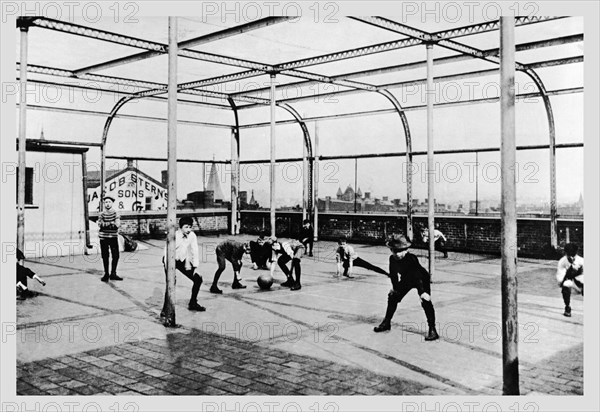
[
  {"x": 236, "y": 137},
  {"x": 552, "y": 136},
  {"x": 309, "y": 153},
  {"x": 409, "y": 157}
]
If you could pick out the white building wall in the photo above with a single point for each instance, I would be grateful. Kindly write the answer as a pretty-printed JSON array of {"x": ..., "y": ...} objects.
[{"x": 54, "y": 223}]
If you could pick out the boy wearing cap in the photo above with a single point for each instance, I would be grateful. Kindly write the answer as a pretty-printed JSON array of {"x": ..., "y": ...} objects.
[
  {"x": 109, "y": 223},
  {"x": 346, "y": 257},
  {"x": 307, "y": 236},
  {"x": 292, "y": 250},
  {"x": 186, "y": 260},
  {"x": 569, "y": 275},
  {"x": 260, "y": 253},
  {"x": 407, "y": 273},
  {"x": 232, "y": 251}
]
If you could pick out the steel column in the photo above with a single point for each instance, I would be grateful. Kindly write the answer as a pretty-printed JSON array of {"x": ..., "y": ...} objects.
[
  {"x": 169, "y": 305},
  {"x": 304, "y": 181},
  {"x": 235, "y": 182},
  {"x": 510, "y": 326},
  {"x": 315, "y": 194},
  {"x": 430, "y": 160},
  {"x": 22, "y": 168},
  {"x": 272, "y": 169},
  {"x": 235, "y": 171},
  {"x": 86, "y": 212}
]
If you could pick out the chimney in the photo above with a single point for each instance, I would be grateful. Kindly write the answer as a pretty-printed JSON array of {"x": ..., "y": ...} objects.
[
  {"x": 327, "y": 203},
  {"x": 367, "y": 195},
  {"x": 129, "y": 162},
  {"x": 164, "y": 177}
]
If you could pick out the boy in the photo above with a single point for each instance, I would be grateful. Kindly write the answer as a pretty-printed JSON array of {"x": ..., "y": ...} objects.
[
  {"x": 109, "y": 223},
  {"x": 439, "y": 240},
  {"x": 307, "y": 236},
  {"x": 346, "y": 256},
  {"x": 569, "y": 275},
  {"x": 23, "y": 273},
  {"x": 292, "y": 250},
  {"x": 187, "y": 260},
  {"x": 407, "y": 273},
  {"x": 260, "y": 253},
  {"x": 232, "y": 251}
]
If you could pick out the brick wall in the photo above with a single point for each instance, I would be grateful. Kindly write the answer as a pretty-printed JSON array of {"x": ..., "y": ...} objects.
[
  {"x": 153, "y": 224},
  {"x": 464, "y": 234}
]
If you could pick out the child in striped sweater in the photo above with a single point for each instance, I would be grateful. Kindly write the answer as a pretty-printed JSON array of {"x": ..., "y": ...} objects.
[{"x": 109, "y": 222}]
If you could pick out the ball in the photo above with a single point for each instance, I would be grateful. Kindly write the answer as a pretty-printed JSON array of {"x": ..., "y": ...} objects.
[{"x": 265, "y": 281}]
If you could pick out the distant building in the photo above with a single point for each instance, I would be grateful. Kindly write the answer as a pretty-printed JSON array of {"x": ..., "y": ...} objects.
[
  {"x": 201, "y": 200},
  {"x": 210, "y": 198},
  {"x": 252, "y": 204},
  {"x": 243, "y": 197},
  {"x": 132, "y": 189},
  {"x": 214, "y": 185}
]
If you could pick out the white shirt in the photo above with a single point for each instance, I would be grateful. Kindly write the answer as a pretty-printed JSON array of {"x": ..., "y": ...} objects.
[
  {"x": 436, "y": 235},
  {"x": 345, "y": 252},
  {"x": 186, "y": 249},
  {"x": 564, "y": 265}
]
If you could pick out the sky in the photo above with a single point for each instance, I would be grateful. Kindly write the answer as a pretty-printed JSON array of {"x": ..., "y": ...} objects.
[{"x": 455, "y": 127}]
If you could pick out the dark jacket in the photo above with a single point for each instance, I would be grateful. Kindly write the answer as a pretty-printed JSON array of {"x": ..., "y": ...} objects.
[
  {"x": 407, "y": 272},
  {"x": 306, "y": 234}
]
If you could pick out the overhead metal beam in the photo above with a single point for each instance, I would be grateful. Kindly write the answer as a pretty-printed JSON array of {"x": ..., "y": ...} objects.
[
  {"x": 89, "y": 32},
  {"x": 558, "y": 92},
  {"x": 123, "y": 40},
  {"x": 555, "y": 62},
  {"x": 207, "y": 38},
  {"x": 489, "y": 26},
  {"x": 123, "y": 116},
  {"x": 139, "y": 84},
  {"x": 195, "y": 103},
  {"x": 424, "y": 36},
  {"x": 348, "y": 54},
  {"x": 420, "y": 64},
  {"x": 164, "y": 159},
  {"x": 568, "y": 60},
  {"x": 415, "y": 153}
]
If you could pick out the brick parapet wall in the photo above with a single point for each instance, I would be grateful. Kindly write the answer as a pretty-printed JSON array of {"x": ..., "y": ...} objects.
[
  {"x": 463, "y": 233},
  {"x": 154, "y": 223}
]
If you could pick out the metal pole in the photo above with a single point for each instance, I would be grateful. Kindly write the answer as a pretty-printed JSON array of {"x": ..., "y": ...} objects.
[
  {"x": 355, "y": 181},
  {"x": 234, "y": 183},
  {"x": 169, "y": 306},
  {"x": 102, "y": 176},
  {"x": 476, "y": 183},
  {"x": 22, "y": 141},
  {"x": 316, "y": 184},
  {"x": 273, "y": 154},
  {"x": 86, "y": 211},
  {"x": 430, "y": 161},
  {"x": 510, "y": 327},
  {"x": 305, "y": 193}
]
